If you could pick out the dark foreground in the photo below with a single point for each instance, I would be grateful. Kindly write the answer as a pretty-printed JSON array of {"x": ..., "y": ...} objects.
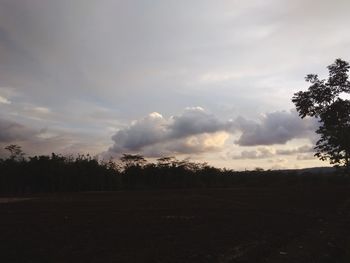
[{"x": 299, "y": 224}]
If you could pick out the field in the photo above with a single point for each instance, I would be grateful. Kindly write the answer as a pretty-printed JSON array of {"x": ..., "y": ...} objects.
[{"x": 243, "y": 224}]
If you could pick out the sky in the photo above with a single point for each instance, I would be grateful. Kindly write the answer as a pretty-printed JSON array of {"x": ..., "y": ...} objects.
[{"x": 207, "y": 80}]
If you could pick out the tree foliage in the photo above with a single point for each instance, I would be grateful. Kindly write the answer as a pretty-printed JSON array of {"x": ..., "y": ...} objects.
[
  {"x": 324, "y": 100},
  {"x": 16, "y": 153},
  {"x": 133, "y": 160}
]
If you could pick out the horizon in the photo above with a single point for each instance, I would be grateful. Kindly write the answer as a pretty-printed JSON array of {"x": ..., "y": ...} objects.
[
  {"x": 210, "y": 81},
  {"x": 21, "y": 156}
]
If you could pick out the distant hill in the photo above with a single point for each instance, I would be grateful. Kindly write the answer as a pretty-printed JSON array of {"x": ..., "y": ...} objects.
[{"x": 312, "y": 170}]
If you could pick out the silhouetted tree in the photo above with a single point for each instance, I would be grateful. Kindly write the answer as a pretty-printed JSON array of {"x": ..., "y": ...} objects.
[
  {"x": 166, "y": 161},
  {"x": 16, "y": 153},
  {"x": 133, "y": 174},
  {"x": 323, "y": 101},
  {"x": 130, "y": 160}
]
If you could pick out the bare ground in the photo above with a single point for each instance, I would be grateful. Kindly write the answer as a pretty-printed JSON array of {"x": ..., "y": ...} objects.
[{"x": 243, "y": 224}]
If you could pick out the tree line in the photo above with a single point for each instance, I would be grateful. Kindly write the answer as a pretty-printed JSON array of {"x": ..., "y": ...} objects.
[{"x": 57, "y": 173}]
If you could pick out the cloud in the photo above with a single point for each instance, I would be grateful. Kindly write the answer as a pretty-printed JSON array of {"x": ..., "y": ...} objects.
[
  {"x": 194, "y": 144},
  {"x": 260, "y": 153},
  {"x": 194, "y": 127},
  {"x": 268, "y": 152},
  {"x": 12, "y": 131},
  {"x": 275, "y": 128},
  {"x": 196, "y": 120},
  {"x": 73, "y": 57},
  {"x": 88, "y": 48},
  {"x": 301, "y": 149},
  {"x": 41, "y": 110},
  {"x": 278, "y": 160},
  {"x": 3, "y": 100},
  {"x": 45, "y": 141},
  {"x": 193, "y": 131},
  {"x": 305, "y": 157},
  {"x": 146, "y": 131}
]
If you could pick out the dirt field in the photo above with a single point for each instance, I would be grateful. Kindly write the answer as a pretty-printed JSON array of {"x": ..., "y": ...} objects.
[{"x": 305, "y": 224}]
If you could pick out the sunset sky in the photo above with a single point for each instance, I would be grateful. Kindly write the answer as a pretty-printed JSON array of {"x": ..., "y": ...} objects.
[{"x": 209, "y": 80}]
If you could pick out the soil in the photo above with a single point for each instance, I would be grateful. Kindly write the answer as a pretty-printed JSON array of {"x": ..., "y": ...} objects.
[{"x": 243, "y": 224}]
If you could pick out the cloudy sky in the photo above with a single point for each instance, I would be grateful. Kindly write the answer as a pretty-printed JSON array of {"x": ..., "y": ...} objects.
[{"x": 210, "y": 80}]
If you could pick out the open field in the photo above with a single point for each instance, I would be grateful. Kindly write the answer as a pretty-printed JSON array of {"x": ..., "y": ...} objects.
[{"x": 243, "y": 224}]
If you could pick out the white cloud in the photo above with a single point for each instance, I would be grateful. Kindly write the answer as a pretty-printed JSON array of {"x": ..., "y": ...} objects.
[
  {"x": 259, "y": 153},
  {"x": 3, "y": 100},
  {"x": 194, "y": 144},
  {"x": 42, "y": 110},
  {"x": 269, "y": 152},
  {"x": 300, "y": 149},
  {"x": 306, "y": 157}
]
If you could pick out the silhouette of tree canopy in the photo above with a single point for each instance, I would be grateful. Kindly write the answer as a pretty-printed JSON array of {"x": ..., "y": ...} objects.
[
  {"x": 57, "y": 173},
  {"x": 323, "y": 100},
  {"x": 130, "y": 160},
  {"x": 16, "y": 153},
  {"x": 165, "y": 161}
]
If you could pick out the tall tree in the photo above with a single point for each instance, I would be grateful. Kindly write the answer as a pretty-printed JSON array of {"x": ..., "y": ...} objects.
[
  {"x": 16, "y": 153},
  {"x": 325, "y": 100},
  {"x": 133, "y": 160}
]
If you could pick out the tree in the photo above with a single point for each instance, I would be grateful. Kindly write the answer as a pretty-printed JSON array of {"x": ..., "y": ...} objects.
[
  {"x": 165, "y": 162},
  {"x": 16, "y": 153},
  {"x": 324, "y": 100},
  {"x": 133, "y": 160}
]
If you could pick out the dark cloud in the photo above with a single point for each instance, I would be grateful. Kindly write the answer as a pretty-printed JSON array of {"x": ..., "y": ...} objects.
[
  {"x": 196, "y": 120},
  {"x": 12, "y": 131},
  {"x": 44, "y": 140},
  {"x": 15, "y": 133},
  {"x": 154, "y": 133},
  {"x": 149, "y": 130},
  {"x": 275, "y": 128},
  {"x": 195, "y": 130}
]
